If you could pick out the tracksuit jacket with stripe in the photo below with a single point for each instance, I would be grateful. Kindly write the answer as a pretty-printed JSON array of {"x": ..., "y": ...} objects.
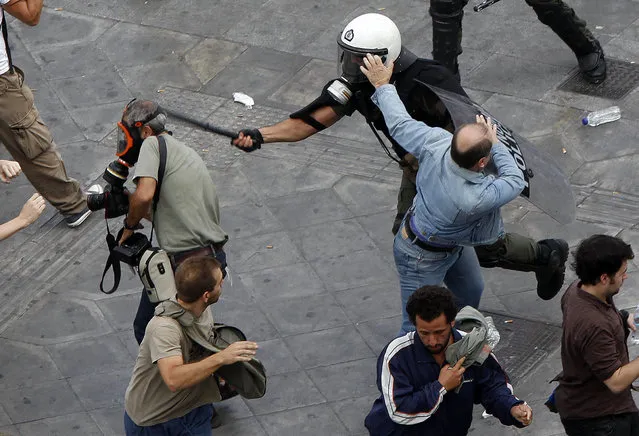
[{"x": 413, "y": 401}]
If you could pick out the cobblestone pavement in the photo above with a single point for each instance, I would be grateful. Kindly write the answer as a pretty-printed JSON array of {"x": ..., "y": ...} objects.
[{"x": 313, "y": 277}]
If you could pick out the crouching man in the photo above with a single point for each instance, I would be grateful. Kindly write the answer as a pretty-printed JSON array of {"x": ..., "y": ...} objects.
[
  {"x": 172, "y": 388},
  {"x": 422, "y": 393}
]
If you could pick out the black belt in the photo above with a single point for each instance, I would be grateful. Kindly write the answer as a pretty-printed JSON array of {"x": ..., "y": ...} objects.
[
  {"x": 422, "y": 244},
  {"x": 209, "y": 250}
]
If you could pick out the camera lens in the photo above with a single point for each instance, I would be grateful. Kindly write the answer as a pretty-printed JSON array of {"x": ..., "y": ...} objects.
[
  {"x": 95, "y": 201},
  {"x": 116, "y": 173}
]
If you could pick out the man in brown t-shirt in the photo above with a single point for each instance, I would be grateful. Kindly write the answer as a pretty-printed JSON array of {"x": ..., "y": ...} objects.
[
  {"x": 593, "y": 397},
  {"x": 171, "y": 390}
]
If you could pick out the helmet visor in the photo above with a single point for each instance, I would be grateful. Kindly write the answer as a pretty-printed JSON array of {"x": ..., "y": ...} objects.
[{"x": 349, "y": 59}]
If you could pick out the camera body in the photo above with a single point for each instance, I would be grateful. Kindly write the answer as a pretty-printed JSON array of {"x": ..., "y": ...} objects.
[
  {"x": 131, "y": 250},
  {"x": 115, "y": 198}
]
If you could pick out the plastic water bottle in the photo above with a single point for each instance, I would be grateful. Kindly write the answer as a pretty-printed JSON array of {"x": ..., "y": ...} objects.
[
  {"x": 603, "y": 116},
  {"x": 635, "y": 319}
]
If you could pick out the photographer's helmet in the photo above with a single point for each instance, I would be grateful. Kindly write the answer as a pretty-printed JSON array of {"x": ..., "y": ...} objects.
[
  {"x": 369, "y": 33},
  {"x": 137, "y": 114}
]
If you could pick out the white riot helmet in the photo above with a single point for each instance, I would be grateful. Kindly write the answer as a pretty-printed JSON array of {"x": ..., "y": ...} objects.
[{"x": 369, "y": 33}]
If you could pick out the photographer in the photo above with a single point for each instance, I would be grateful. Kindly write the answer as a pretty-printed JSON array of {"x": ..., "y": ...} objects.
[
  {"x": 171, "y": 390},
  {"x": 188, "y": 214}
]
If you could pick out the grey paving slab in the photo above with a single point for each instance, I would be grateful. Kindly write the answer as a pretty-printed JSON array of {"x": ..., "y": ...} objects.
[
  {"x": 346, "y": 380},
  {"x": 242, "y": 427},
  {"x": 97, "y": 122},
  {"x": 277, "y": 357},
  {"x": 309, "y": 208},
  {"x": 40, "y": 401},
  {"x": 247, "y": 317},
  {"x": 89, "y": 91},
  {"x": 210, "y": 56},
  {"x": 618, "y": 138},
  {"x": 152, "y": 45},
  {"x": 128, "y": 339},
  {"x": 287, "y": 391},
  {"x": 604, "y": 174},
  {"x": 371, "y": 302},
  {"x": 249, "y": 219},
  {"x": 147, "y": 80},
  {"x": 262, "y": 252},
  {"x": 115, "y": 9},
  {"x": 104, "y": 390},
  {"x": 306, "y": 420},
  {"x": 529, "y": 306},
  {"x": 364, "y": 197},
  {"x": 93, "y": 356},
  {"x": 515, "y": 76},
  {"x": 85, "y": 160},
  {"x": 71, "y": 425},
  {"x": 305, "y": 86},
  {"x": 379, "y": 227},
  {"x": 352, "y": 412},
  {"x": 379, "y": 332},
  {"x": 253, "y": 80},
  {"x": 120, "y": 310},
  {"x": 234, "y": 409},
  {"x": 62, "y": 28},
  {"x": 564, "y": 152},
  {"x": 4, "y": 418},
  {"x": 25, "y": 365},
  {"x": 72, "y": 60},
  {"x": 328, "y": 347},
  {"x": 9, "y": 431},
  {"x": 282, "y": 282},
  {"x": 59, "y": 320},
  {"x": 109, "y": 420},
  {"x": 233, "y": 186},
  {"x": 305, "y": 314},
  {"x": 332, "y": 239},
  {"x": 355, "y": 269},
  {"x": 541, "y": 226}
]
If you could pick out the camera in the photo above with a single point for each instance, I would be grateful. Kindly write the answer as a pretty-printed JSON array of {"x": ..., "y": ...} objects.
[
  {"x": 131, "y": 250},
  {"x": 115, "y": 198}
]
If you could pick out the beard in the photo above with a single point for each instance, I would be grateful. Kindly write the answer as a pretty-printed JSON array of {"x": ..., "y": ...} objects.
[{"x": 440, "y": 347}]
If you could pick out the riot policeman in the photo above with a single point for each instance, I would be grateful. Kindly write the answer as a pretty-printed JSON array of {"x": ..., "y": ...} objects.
[
  {"x": 447, "y": 34},
  {"x": 378, "y": 35}
]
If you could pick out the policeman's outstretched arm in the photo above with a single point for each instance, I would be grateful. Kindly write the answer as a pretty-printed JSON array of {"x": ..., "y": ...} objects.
[
  {"x": 27, "y": 11},
  {"x": 289, "y": 130}
]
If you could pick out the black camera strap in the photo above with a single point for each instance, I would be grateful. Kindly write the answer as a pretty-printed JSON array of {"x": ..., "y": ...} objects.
[{"x": 112, "y": 241}]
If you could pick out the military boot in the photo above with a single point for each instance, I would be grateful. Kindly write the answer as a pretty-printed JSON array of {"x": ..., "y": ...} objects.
[
  {"x": 550, "y": 276},
  {"x": 573, "y": 31}
]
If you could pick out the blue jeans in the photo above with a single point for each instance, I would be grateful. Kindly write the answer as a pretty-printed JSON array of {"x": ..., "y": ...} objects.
[
  {"x": 146, "y": 309},
  {"x": 195, "y": 423},
  {"x": 459, "y": 270}
]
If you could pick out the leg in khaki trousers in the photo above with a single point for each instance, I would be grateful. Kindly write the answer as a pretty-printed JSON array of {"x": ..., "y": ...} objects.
[{"x": 29, "y": 142}]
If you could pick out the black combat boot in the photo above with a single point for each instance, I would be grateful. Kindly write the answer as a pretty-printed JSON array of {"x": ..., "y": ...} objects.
[
  {"x": 550, "y": 277},
  {"x": 573, "y": 31}
]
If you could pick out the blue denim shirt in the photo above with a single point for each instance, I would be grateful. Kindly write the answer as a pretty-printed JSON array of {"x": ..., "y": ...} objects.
[{"x": 453, "y": 205}]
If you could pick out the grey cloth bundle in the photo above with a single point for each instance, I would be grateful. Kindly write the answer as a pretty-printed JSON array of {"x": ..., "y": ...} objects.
[{"x": 478, "y": 341}]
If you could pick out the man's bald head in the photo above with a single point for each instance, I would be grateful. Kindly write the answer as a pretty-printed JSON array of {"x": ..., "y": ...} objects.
[{"x": 471, "y": 143}]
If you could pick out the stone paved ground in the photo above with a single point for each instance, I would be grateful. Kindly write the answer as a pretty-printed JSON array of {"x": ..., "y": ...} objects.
[{"x": 323, "y": 300}]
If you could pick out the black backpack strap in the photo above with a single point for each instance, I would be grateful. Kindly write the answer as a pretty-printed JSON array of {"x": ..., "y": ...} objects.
[
  {"x": 161, "y": 170},
  {"x": 5, "y": 36}
]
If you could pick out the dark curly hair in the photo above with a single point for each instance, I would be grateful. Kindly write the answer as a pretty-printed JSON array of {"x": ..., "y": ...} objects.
[
  {"x": 429, "y": 302},
  {"x": 600, "y": 254}
]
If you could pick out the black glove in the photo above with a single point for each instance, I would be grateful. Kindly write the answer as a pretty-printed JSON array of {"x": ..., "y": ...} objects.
[{"x": 255, "y": 135}]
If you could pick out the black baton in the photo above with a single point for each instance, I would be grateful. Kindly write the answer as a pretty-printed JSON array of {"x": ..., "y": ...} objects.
[
  {"x": 201, "y": 123},
  {"x": 483, "y": 5}
]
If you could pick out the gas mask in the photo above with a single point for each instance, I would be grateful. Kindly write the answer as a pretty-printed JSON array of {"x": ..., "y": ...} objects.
[{"x": 114, "y": 199}]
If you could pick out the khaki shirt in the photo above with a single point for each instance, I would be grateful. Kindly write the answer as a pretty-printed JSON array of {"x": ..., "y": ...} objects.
[{"x": 148, "y": 400}]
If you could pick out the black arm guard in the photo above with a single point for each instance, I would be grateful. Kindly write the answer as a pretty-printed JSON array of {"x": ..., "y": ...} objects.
[{"x": 323, "y": 100}]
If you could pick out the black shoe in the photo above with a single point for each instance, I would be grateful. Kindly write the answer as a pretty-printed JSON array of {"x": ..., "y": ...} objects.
[
  {"x": 593, "y": 66},
  {"x": 550, "y": 279},
  {"x": 77, "y": 218}
]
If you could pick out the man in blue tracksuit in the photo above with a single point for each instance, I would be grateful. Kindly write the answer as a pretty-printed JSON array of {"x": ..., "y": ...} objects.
[{"x": 421, "y": 393}]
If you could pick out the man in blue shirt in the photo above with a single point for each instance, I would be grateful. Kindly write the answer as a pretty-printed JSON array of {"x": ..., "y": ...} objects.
[
  {"x": 457, "y": 204},
  {"x": 422, "y": 393}
]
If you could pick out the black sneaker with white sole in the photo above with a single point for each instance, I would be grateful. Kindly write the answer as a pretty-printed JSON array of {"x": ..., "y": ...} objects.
[{"x": 76, "y": 219}]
